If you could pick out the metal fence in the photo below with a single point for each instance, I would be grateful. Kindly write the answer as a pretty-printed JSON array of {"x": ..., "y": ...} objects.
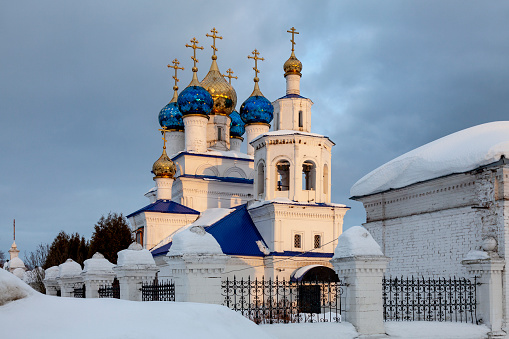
[
  {"x": 420, "y": 299},
  {"x": 110, "y": 291},
  {"x": 80, "y": 292},
  {"x": 281, "y": 301},
  {"x": 158, "y": 291}
]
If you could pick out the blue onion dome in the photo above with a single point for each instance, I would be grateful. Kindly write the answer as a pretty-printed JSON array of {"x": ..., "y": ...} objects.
[
  {"x": 237, "y": 128},
  {"x": 257, "y": 109},
  {"x": 195, "y": 99},
  {"x": 223, "y": 94},
  {"x": 170, "y": 116}
]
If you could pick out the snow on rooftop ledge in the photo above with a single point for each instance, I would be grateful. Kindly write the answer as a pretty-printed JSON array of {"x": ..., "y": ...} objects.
[
  {"x": 282, "y": 132},
  {"x": 194, "y": 240},
  {"x": 69, "y": 268},
  {"x": 356, "y": 241},
  {"x": 456, "y": 153},
  {"x": 98, "y": 264},
  {"x": 135, "y": 257}
]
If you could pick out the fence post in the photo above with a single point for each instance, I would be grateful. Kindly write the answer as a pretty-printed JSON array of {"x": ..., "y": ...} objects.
[
  {"x": 69, "y": 277},
  {"x": 98, "y": 271},
  {"x": 135, "y": 265},
  {"x": 50, "y": 280},
  {"x": 488, "y": 268},
  {"x": 359, "y": 263},
  {"x": 196, "y": 263}
]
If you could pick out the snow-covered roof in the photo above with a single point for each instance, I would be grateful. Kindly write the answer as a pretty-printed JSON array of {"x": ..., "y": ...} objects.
[
  {"x": 98, "y": 264},
  {"x": 456, "y": 153},
  {"x": 69, "y": 268},
  {"x": 16, "y": 262},
  {"x": 51, "y": 273},
  {"x": 194, "y": 240},
  {"x": 283, "y": 132},
  {"x": 135, "y": 257},
  {"x": 356, "y": 241},
  {"x": 257, "y": 203}
]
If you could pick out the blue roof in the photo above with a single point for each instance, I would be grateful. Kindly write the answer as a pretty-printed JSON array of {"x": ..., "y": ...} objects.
[
  {"x": 165, "y": 206},
  {"x": 292, "y": 96},
  {"x": 236, "y": 233},
  {"x": 214, "y": 178}
]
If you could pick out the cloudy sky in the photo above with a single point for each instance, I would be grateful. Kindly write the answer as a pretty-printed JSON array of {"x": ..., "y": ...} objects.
[{"x": 82, "y": 83}]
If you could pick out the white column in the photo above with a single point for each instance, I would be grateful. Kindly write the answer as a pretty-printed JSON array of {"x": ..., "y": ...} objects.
[
  {"x": 175, "y": 142},
  {"x": 235, "y": 144},
  {"x": 252, "y": 131},
  {"x": 293, "y": 84},
  {"x": 364, "y": 303},
  {"x": 195, "y": 133},
  {"x": 198, "y": 277},
  {"x": 164, "y": 186},
  {"x": 489, "y": 292}
]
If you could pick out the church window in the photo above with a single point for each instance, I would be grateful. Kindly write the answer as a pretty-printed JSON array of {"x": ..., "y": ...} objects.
[
  {"x": 261, "y": 178},
  {"x": 301, "y": 120},
  {"x": 325, "y": 179},
  {"x": 219, "y": 133},
  {"x": 297, "y": 241},
  {"x": 283, "y": 176},
  {"x": 308, "y": 176},
  {"x": 139, "y": 236},
  {"x": 317, "y": 240}
]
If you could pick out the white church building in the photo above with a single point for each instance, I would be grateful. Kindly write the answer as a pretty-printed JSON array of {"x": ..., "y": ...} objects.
[{"x": 263, "y": 207}]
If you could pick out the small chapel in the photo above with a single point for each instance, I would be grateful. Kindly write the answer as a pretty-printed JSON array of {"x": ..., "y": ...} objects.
[{"x": 269, "y": 209}]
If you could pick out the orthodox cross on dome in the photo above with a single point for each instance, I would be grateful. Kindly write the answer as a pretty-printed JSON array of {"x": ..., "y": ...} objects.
[
  {"x": 255, "y": 58},
  {"x": 214, "y": 37},
  {"x": 163, "y": 132},
  {"x": 175, "y": 66},
  {"x": 229, "y": 76},
  {"x": 293, "y": 31},
  {"x": 194, "y": 47}
]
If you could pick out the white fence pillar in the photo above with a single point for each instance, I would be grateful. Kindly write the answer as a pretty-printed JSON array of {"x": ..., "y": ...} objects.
[
  {"x": 489, "y": 292},
  {"x": 360, "y": 263},
  {"x": 196, "y": 263},
  {"x": 97, "y": 272},
  {"x": 69, "y": 277},
  {"x": 50, "y": 280},
  {"x": 135, "y": 266}
]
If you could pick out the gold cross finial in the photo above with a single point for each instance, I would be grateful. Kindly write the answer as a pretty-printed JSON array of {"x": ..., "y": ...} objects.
[
  {"x": 230, "y": 76},
  {"x": 163, "y": 132},
  {"x": 175, "y": 66},
  {"x": 194, "y": 47},
  {"x": 256, "y": 58},
  {"x": 293, "y": 31},
  {"x": 214, "y": 37}
]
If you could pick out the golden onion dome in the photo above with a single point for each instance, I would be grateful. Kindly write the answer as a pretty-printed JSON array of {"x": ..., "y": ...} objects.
[
  {"x": 164, "y": 167},
  {"x": 292, "y": 65},
  {"x": 223, "y": 94}
]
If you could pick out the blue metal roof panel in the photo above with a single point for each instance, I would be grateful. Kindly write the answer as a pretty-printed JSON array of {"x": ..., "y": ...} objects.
[{"x": 165, "y": 206}]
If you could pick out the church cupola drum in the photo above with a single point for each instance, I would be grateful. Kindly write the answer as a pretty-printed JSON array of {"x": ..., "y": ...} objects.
[
  {"x": 195, "y": 103},
  {"x": 225, "y": 99},
  {"x": 170, "y": 117},
  {"x": 256, "y": 111}
]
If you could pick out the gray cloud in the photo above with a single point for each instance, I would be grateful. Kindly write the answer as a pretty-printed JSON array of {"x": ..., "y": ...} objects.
[{"x": 82, "y": 84}]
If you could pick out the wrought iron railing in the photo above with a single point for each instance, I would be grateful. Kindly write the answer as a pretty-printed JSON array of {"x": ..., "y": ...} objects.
[
  {"x": 80, "y": 292},
  {"x": 110, "y": 291},
  {"x": 281, "y": 301},
  {"x": 430, "y": 299},
  {"x": 158, "y": 291}
]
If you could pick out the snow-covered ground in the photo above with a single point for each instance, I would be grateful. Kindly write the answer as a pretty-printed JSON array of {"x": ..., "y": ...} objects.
[{"x": 25, "y": 313}]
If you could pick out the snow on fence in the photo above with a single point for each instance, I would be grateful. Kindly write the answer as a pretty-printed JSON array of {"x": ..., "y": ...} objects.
[
  {"x": 158, "y": 291},
  {"x": 420, "y": 299},
  {"x": 281, "y": 301}
]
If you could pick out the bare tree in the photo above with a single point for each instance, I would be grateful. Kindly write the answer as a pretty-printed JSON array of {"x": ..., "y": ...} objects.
[
  {"x": 2, "y": 259},
  {"x": 34, "y": 261}
]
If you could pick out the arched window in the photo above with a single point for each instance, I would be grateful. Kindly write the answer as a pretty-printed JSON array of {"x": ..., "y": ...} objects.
[
  {"x": 139, "y": 236},
  {"x": 283, "y": 176},
  {"x": 301, "y": 119},
  {"x": 308, "y": 176},
  {"x": 325, "y": 179},
  {"x": 317, "y": 240},
  {"x": 261, "y": 178},
  {"x": 297, "y": 241}
]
